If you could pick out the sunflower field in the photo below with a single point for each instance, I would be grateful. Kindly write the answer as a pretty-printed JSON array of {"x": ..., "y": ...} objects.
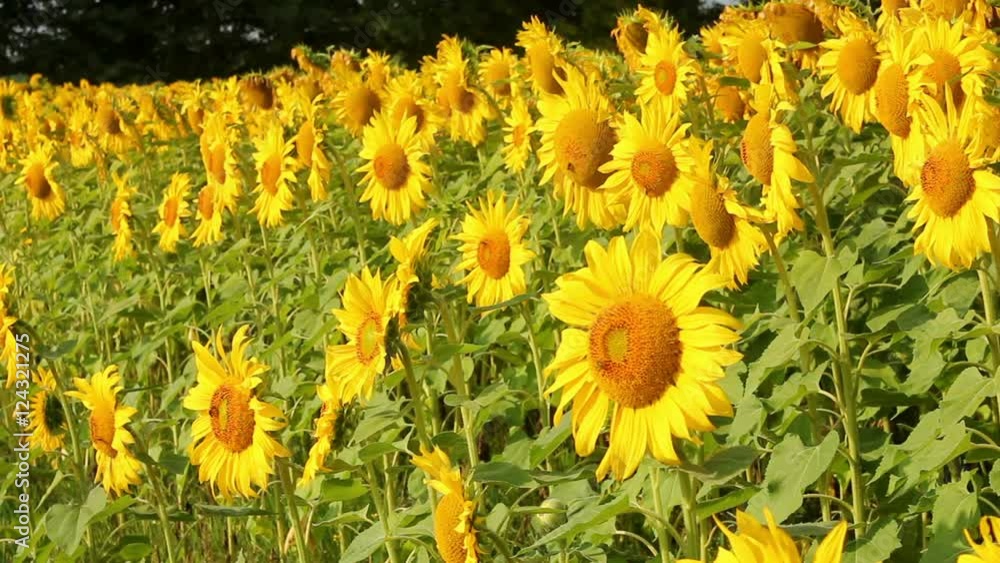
[{"x": 727, "y": 298}]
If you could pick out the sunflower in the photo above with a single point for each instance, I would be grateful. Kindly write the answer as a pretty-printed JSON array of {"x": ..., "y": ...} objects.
[
  {"x": 577, "y": 139},
  {"x": 8, "y": 344},
  {"x": 6, "y": 280},
  {"x": 889, "y": 14},
  {"x": 791, "y": 23},
  {"x": 356, "y": 104},
  {"x": 650, "y": 169},
  {"x": 121, "y": 214},
  {"x": 231, "y": 443},
  {"x": 258, "y": 92},
  {"x": 957, "y": 192},
  {"x": 723, "y": 222},
  {"x": 369, "y": 304},
  {"x": 219, "y": 157},
  {"x": 406, "y": 99},
  {"x": 851, "y": 64},
  {"x": 986, "y": 122},
  {"x": 209, "y": 230},
  {"x": 496, "y": 72},
  {"x": 454, "y": 531},
  {"x": 48, "y": 418},
  {"x": 377, "y": 70},
  {"x": 38, "y": 178},
  {"x": 274, "y": 176},
  {"x": 408, "y": 252},
  {"x": 729, "y": 101},
  {"x": 664, "y": 70},
  {"x": 518, "y": 127},
  {"x": 989, "y": 550},
  {"x": 750, "y": 50},
  {"x": 632, "y": 31},
  {"x": 326, "y": 431},
  {"x": 543, "y": 49},
  {"x": 117, "y": 469},
  {"x": 114, "y": 134},
  {"x": 172, "y": 212},
  {"x": 464, "y": 107},
  {"x": 755, "y": 543},
  {"x": 951, "y": 60},
  {"x": 640, "y": 342},
  {"x": 395, "y": 173},
  {"x": 492, "y": 251},
  {"x": 898, "y": 102},
  {"x": 768, "y": 152},
  {"x": 309, "y": 149}
]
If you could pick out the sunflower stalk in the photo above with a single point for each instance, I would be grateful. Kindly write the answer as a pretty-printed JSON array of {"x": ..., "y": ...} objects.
[
  {"x": 352, "y": 205},
  {"x": 162, "y": 499},
  {"x": 989, "y": 310},
  {"x": 381, "y": 508},
  {"x": 662, "y": 516},
  {"x": 536, "y": 358},
  {"x": 416, "y": 392},
  {"x": 285, "y": 474}
]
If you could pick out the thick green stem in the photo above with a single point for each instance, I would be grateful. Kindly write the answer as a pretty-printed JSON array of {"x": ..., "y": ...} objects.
[
  {"x": 352, "y": 206},
  {"x": 661, "y": 533},
  {"x": 416, "y": 392},
  {"x": 383, "y": 516},
  {"x": 288, "y": 485},
  {"x": 691, "y": 523},
  {"x": 536, "y": 358}
]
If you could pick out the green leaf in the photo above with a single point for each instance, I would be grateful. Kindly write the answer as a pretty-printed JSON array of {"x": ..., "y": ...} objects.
[
  {"x": 588, "y": 517},
  {"x": 814, "y": 276},
  {"x": 503, "y": 473},
  {"x": 230, "y": 511},
  {"x": 877, "y": 546},
  {"x": 364, "y": 544},
  {"x": 955, "y": 510},
  {"x": 334, "y": 489},
  {"x": 725, "y": 502},
  {"x": 65, "y": 524},
  {"x": 723, "y": 465},
  {"x": 548, "y": 440},
  {"x": 792, "y": 469}
]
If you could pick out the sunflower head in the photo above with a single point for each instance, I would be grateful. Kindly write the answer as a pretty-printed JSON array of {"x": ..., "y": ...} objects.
[
  {"x": 454, "y": 532},
  {"x": 258, "y": 91}
]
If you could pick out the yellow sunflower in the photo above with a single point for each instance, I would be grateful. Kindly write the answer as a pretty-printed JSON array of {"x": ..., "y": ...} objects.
[
  {"x": 121, "y": 214},
  {"x": 38, "y": 178},
  {"x": 8, "y": 344},
  {"x": 492, "y": 251},
  {"x": 48, "y": 418},
  {"x": 209, "y": 230},
  {"x": 173, "y": 210},
  {"x": 395, "y": 174},
  {"x": 748, "y": 47},
  {"x": 755, "y": 543},
  {"x": 114, "y": 134},
  {"x": 650, "y": 169},
  {"x": 231, "y": 444},
  {"x": 464, "y": 107},
  {"x": 949, "y": 59},
  {"x": 117, "y": 469},
  {"x": 768, "y": 152},
  {"x": 544, "y": 54},
  {"x": 454, "y": 531},
  {"x": 898, "y": 102},
  {"x": 310, "y": 150},
  {"x": 956, "y": 193},
  {"x": 377, "y": 70},
  {"x": 723, "y": 222},
  {"x": 793, "y": 22},
  {"x": 356, "y": 104},
  {"x": 274, "y": 176},
  {"x": 640, "y": 346},
  {"x": 989, "y": 550},
  {"x": 729, "y": 101},
  {"x": 6, "y": 280},
  {"x": 409, "y": 251},
  {"x": 889, "y": 14},
  {"x": 219, "y": 157},
  {"x": 851, "y": 64},
  {"x": 496, "y": 73},
  {"x": 368, "y": 305},
  {"x": 518, "y": 127},
  {"x": 577, "y": 139},
  {"x": 632, "y": 31},
  {"x": 406, "y": 99},
  {"x": 665, "y": 69},
  {"x": 326, "y": 431}
]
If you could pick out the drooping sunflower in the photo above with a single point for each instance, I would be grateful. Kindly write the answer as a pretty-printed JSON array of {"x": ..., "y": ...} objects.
[
  {"x": 326, "y": 430},
  {"x": 497, "y": 74},
  {"x": 258, "y": 92},
  {"x": 464, "y": 107},
  {"x": 121, "y": 214},
  {"x": 898, "y": 102},
  {"x": 632, "y": 31},
  {"x": 454, "y": 532},
  {"x": 989, "y": 550},
  {"x": 723, "y": 222},
  {"x": 406, "y": 99},
  {"x": 850, "y": 64},
  {"x": 369, "y": 303},
  {"x": 117, "y": 468},
  {"x": 231, "y": 444},
  {"x": 38, "y": 178},
  {"x": 356, "y": 104},
  {"x": 395, "y": 173},
  {"x": 209, "y": 230},
  {"x": 641, "y": 347},
  {"x": 950, "y": 59},
  {"x": 173, "y": 210},
  {"x": 114, "y": 134},
  {"x": 577, "y": 139},
  {"x": 48, "y": 418},
  {"x": 275, "y": 176},
  {"x": 957, "y": 193},
  {"x": 409, "y": 251},
  {"x": 768, "y": 151},
  {"x": 543, "y": 50},
  {"x": 794, "y": 22},
  {"x": 650, "y": 169},
  {"x": 665, "y": 69},
  {"x": 310, "y": 150},
  {"x": 518, "y": 127},
  {"x": 729, "y": 101},
  {"x": 492, "y": 251},
  {"x": 755, "y": 543},
  {"x": 751, "y": 51}
]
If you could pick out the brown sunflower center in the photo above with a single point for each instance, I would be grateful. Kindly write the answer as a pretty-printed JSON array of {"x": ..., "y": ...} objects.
[
  {"x": 655, "y": 170},
  {"x": 708, "y": 213},
  {"x": 360, "y": 104},
  {"x": 543, "y": 68},
  {"x": 260, "y": 92},
  {"x": 493, "y": 254},
  {"x": 408, "y": 107},
  {"x": 792, "y": 23},
  {"x": 498, "y": 77},
  {"x": 750, "y": 56},
  {"x": 270, "y": 173},
  {"x": 946, "y": 71},
  {"x": 756, "y": 148},
  {"x": 635, "y": 350},
  {"x": 729, "y": 103},
  {"x": 102, "y": 430},
  {"x": 206, "y": 202},
  {"x": 391, "y": 166},
  {"x": 665, "y": 77},
  {"x": 368, "y": 341},
  {"x": 232, "y": 418},
  {"x": 857, "y": 66},
  {"x": 947, "y": 179},
  {"x": 637, "y": 36},
  {"x": 891, "y": 101},
  {"x": 447, "y": 517},
  {"x": 53, "y": 413},
  {"x": 217, "y": 163},
  {"x": 520, "y": 133},
  {"x": 170, "y": 211},
  {"x": 108, "y": 121},
  {"x": 582, "y": 145},
  {"x": 304, "y": 143},
  {"x": 38, "y": 184}
]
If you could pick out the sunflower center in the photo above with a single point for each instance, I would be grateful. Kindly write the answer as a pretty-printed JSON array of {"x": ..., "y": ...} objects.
[
  {"x": 360, "y": 105},
  {"x": 583, "y": 144},
  {"x": 232, "y": 418},
  {"x": 391, "y": 166},
  {"x": 543, "y": 68},
  {"x": 655, "y": 170},
  {"x": 891, "y": 101},
  {"x": 369, "y": 339},
  {"x": 447, "y": 517},
  {"x": 947, "y": 179},
  {"x": 750, "y": 56},
  {"x": 260, "y": 92},
  {"x": 38, "y": 184},
  {"x": 946, "y": 71},
  {"x": 520, "y": 133},
  {"x": 102, "y": 430},
  {"x": 493, "y": 254},
  {"x": 857, "y": 66},
  {"x": 792, "y": 23},
  {"x": 108, "y": 120},
  {"x": 407, "y": 107},
  {"x": 206, "y": 202},
  {"x": 756, "y": 148},
  {"x": 498, "y": 75},
  {"x": 635, "y": 350},
  {"x": 304, "y": 143},
  {"x": 170, "y": 211},
  {"x": 729, "y": 103},
  {"x": 54, "y": 414},
  {"x": 217, "y": 163},
  {"x": 665, "y": 77},
  {"x": 270, "y": 173},
  {"x": 708, "y": 213}
]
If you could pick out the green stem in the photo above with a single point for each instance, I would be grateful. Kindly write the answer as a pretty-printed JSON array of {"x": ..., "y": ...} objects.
[
  {"x": 352, "y": 205},
  {"x": 537, "y": 360},
  {"x": 161, "y": 499},
  {"x": 416, "y": 392},
  {"x": 661, "y": 533},
  {"x": 288, "y": 485},
  {"x": 380, "y": 507},
  {"x": 691, "y": 524},
  {"x": 989, "y": 306}
]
